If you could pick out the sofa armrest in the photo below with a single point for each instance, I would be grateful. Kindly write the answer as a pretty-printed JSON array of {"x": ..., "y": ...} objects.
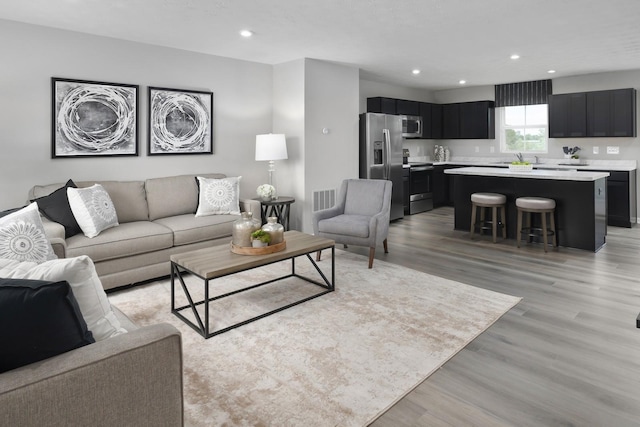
[
  {"x": 55, "y": 234},
  {"x": 130, "y": 379},
  {"x": 250, "y": 205}
]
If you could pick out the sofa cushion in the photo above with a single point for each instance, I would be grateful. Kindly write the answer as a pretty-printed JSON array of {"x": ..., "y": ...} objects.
[
  {"x": 129, "y": 199},
  {"x": 191, "y": 229},
  {"x": 93, "y": 209},
  {"x": 218, "y": 196},
  {"x": 349, "y": 225},
  {"x": 55, "y": 206},
  {"x": 125, "y": 240},
  {"x": 87, "y": 289},
  {"x": 22, "y": 236},
  {"x": 175, "y": 195},
  {"x": 38, "y": 320}
]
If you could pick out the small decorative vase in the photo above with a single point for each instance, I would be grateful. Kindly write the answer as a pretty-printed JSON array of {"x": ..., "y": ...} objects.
[
  {"x": 275, "y": 230},
  {"x": 258, "y": 244},
  {"x": 242, "y": 229}
]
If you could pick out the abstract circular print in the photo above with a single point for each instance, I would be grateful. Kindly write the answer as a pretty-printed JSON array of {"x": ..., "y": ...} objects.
[
  {"x": 103, "y": 206},
  {"x": 23, "y": 241}
]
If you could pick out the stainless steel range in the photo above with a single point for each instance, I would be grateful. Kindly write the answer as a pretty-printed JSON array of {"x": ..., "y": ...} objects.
[{"x": 420, "y": 187}]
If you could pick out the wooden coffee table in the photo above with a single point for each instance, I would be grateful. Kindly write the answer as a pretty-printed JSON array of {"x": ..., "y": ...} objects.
[{"x": 218, "y": 261}]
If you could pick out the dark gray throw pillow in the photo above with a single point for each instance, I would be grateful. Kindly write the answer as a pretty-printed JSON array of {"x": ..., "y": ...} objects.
[
  {"x": 38, "y": 320},
  {"x": 56, "y": 207}
]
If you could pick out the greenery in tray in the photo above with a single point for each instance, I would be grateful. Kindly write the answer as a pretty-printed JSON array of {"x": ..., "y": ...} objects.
[
  {"x": 520, "y": 160},
  {"x": 261, "y": 235}
]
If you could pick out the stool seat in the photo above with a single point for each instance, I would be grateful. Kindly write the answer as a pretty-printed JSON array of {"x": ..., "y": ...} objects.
[
  {"x": 538, "y": 203},
  {"x": 489, "y": 198}
]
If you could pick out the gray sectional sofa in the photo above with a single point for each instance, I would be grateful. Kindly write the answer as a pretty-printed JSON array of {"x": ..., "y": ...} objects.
[{"x": 157, "y": 219}]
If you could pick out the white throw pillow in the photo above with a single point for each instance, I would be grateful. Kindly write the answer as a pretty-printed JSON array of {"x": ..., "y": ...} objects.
[
  {"x": 85, "y": 284},
  {"x": 93, "y": 209},
  {"x": 218, "y": 196},
  {"x": 22, "y": 236}
]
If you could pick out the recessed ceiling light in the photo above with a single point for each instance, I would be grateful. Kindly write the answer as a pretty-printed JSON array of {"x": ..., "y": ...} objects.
[
  {"x": 462, "y": 82},
  {"x": 551, "y": 71},
  {"x": 416, "y": 71},
  {"x": 515, "y": 56},
  {"x": 246, "y": 33}
]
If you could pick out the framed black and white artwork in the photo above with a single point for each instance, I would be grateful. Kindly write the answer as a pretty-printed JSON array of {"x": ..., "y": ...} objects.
[
  {"x": 93, "y": 118},
  {"x": 180, "y": 121}
]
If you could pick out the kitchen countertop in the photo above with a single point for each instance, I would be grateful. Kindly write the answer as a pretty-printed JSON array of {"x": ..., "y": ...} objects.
[
  {"x": 503, "y": 162},
  {"x": 504, "y": 172}
]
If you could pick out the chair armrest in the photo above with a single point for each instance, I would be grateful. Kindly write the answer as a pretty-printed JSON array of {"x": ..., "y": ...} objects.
[
  {"x": 55, "y": 234},
  {"x": 130, "y": 379},
  {"x": 379, "y": 224},
  {"x": 250, "y": 205}
]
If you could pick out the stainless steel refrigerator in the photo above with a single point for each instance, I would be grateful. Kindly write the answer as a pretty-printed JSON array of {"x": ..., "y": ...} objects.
[{"x": 381, "y": 154}]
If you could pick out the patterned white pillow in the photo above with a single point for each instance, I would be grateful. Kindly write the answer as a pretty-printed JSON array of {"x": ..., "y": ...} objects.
[
  {"x": 218, "y": 196},
  {"x": 22, "y": 236},
  {"x": 93, "y": 209}
]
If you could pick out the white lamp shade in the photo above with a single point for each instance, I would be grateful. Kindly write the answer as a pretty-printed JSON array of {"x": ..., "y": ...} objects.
[{"x": 272, "y": 146}]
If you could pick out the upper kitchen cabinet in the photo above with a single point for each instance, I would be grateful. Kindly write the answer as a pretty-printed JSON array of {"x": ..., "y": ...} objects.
[
  {"x": 431, "y": 120},
  {"x": 611, "y": 113},
  {"x": 468, "y": 120},
  {"x": 568, "y": 115},
  {"x": 382, "y": 105},
  {"x": 407, "y": 108}
]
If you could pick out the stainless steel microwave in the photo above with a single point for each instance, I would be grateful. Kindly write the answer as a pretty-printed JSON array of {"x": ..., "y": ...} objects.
[{"x": 411, "y": 127}]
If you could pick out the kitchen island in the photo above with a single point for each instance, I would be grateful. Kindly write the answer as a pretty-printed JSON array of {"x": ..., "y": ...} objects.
[{"x": 581, "y": 200}]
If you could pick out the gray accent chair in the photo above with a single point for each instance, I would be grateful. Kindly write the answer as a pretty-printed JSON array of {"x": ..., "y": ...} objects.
[{"x": 360, "y": 216}]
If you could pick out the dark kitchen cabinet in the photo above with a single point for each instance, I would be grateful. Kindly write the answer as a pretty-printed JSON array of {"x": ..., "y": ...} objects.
[
  {"x": 568, "y": 115},
  {"x": 468, "y": 120},
  {"x": 436, "y": 121},
  {"x": 443, "y": 185},
  {"x": 621, "y": 199},
  {"x": 611, "y": 113},
  {"x": 406, "y": 189},
  {"x": 407, "y": 108},
  {"x": 381, "y": 105}
]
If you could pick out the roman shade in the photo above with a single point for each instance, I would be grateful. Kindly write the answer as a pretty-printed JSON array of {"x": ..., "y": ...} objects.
[{"x": 523, "y": 93}]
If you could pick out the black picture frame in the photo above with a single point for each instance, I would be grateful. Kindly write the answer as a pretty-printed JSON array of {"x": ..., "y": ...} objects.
[
  {"x": 180, "y": 122},
  {"x": 93, "y": 119}
]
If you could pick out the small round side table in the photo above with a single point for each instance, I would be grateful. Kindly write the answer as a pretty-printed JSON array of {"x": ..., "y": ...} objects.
[{"x": 279, "y": 208}]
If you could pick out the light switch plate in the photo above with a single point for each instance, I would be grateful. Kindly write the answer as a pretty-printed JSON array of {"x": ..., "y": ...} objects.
[
  {"x": 613, "y": 150},
  {"x": 596, "y": 150}
]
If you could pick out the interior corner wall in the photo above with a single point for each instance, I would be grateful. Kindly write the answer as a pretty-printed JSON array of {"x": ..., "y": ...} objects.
[
  {"x": 288, "y": 118},
  {"x": 31, "y": 55}
]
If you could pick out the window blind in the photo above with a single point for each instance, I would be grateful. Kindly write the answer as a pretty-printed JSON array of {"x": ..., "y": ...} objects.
[{"x": 523, "y": 93}]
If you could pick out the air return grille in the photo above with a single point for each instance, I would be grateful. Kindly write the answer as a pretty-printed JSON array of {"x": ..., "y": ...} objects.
[{"x": 323, "y": 199}]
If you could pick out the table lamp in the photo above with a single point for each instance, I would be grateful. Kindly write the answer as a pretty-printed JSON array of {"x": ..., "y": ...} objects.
[{"x": 271, "y": 147}]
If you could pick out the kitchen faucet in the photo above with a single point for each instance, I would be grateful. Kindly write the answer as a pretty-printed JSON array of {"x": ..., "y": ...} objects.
[{"x": 537, "y": 160}]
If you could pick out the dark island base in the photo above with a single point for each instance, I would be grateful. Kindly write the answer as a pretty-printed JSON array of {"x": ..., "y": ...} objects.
[{"x": 581, "y": 213}]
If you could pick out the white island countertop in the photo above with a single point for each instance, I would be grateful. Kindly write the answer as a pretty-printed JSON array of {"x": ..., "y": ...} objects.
[{"x": 561, "y": 175}]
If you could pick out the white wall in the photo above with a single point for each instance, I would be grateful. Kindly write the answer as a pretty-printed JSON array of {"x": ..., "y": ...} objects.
[
  {"x": 31, "y": 55},
  {"x": 331, "y": 102}
]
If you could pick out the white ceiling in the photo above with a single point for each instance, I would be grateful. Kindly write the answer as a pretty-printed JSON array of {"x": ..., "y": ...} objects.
[{"x": 448, "y": 40}]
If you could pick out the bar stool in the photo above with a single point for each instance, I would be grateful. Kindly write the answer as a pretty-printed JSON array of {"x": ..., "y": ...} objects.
[
  {"x": 493, "y": 201},
  {"x": 542, "y": 206}
]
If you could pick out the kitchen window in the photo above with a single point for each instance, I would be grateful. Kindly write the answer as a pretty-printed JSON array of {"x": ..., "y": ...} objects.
[{"x": 523, "y": 128}]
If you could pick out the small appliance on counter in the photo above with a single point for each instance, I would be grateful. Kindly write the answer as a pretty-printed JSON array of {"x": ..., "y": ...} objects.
[{"x": 405, "y": 156}]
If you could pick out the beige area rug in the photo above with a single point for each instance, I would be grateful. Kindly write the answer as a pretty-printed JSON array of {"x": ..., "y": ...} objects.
[{"x": 338, "y": 360}]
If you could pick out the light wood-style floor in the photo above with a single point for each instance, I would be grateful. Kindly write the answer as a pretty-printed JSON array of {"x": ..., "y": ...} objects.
[{"x": 567, "y": 355}]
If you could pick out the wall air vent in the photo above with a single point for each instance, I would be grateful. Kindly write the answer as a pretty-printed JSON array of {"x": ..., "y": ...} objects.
[{"x": 323, "y": 199}]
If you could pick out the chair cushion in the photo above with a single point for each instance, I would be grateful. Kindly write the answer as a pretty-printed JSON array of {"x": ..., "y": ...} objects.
[
  {"x": 489, "y": 198},
  {"x": 535, "y": 203},
  {"x": 127, "y": 239},
  {"x": 348, "y": 225},
  {"x": 359, "y": 201},
  {"x": 189, "y": 229}
]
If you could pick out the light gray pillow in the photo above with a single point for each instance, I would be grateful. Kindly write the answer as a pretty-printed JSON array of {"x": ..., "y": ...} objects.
[
  {"x": 22, "y": 236},
  {"x": 218, "y": 196},
  {"x": 93, "y": 209}
]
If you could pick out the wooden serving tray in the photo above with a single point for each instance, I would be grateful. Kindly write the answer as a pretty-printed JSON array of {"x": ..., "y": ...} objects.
[{"x": 246, "y": 250}]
